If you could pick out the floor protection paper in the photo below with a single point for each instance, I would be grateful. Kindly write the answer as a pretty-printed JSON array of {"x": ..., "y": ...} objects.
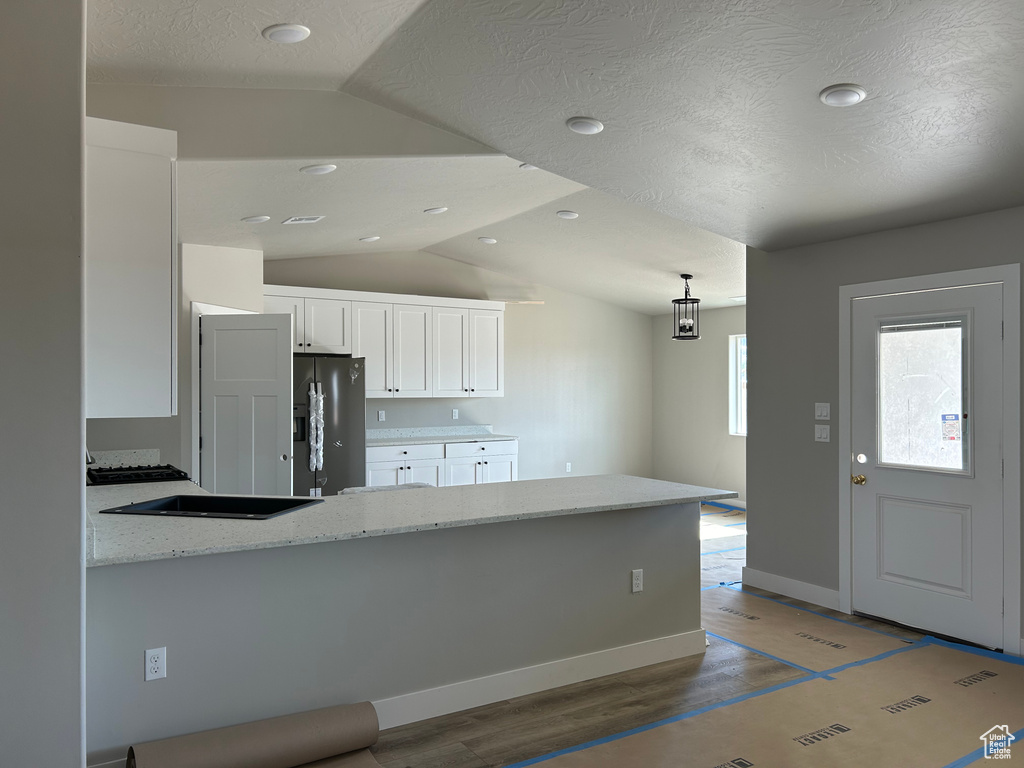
[
  {"x": 799, "y": 637},
  {"x": 926, "y": 706}
]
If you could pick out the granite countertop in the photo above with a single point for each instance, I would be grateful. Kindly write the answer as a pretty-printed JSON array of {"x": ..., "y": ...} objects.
[
  {"x": 114, "y": 539},
  {"x": 477, "y": 437}
]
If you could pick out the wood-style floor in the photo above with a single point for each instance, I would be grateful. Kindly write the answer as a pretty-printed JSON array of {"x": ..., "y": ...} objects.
[{"x": 529, "y": 726}]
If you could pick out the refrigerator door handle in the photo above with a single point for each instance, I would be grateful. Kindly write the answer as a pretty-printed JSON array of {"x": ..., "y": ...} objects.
[{"x": 319, "y": 426}]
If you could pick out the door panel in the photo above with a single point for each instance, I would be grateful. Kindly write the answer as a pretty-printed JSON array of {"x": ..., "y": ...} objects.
[
  {"x": 429, "y": 471},
  {"x": 385, "y": 473},
  {"x": 462, "y": 471},
  {"x": 413, "y": 351},
  {"x": 288, "y": 305},
  {"x": 327, "y": 328},
  {"x": 246, "y": 403},
  {"x": 451, "y": 352},
  {"x": 926, "y": 426},
  {"x": 486, "y": 353},
  {"x": 371, "y": 339}
]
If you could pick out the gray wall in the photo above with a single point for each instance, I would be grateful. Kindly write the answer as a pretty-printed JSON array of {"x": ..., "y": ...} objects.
[
  {"x": 42, "y": 472},
  {"x": 793, "y": 362},
  {"x": 230, "y": 277},
  {"x": 578, "y": 372},
  {"x": 257, "y": 634},
  {"x": 692, "y": 443}
]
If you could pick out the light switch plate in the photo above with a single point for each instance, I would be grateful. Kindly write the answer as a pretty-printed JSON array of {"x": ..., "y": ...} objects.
[
  {"x": 821, "y": 433},
  {"x": 823, "y": 411}
]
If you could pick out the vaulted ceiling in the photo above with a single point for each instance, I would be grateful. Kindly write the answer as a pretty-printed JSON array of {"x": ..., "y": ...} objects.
[{"x": 714, "y": 136}]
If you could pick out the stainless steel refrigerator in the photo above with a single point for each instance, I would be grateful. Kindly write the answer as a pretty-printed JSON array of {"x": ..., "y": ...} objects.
[{"x": 329, "y": 424}]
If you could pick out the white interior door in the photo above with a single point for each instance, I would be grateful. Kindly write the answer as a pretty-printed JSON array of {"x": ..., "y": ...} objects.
[
  {"x": 927, "y": 444},
  {"x": 246, "y": 404}
]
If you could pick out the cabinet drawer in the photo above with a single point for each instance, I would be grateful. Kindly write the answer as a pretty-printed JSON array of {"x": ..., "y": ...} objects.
[
  {"x": 398, "y": 452},
  {"x": 502, "y": 447}
]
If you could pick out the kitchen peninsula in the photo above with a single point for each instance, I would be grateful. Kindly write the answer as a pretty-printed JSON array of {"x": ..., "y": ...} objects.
[{"x": 424, "y": 601}]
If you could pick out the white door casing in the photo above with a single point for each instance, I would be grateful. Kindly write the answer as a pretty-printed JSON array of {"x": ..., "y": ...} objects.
[
  {"x": 938, "y": 549},
  {"x": 246, "y": 403}
]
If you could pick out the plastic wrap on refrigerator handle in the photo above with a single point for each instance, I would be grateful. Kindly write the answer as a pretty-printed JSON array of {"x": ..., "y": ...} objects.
[{"x": 316, "y": 427}]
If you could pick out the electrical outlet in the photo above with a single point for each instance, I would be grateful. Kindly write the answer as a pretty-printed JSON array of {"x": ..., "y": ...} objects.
[
  {"x": 156, "y": 663},
  {"x": 568, "y": 466},
  {"x": 638, "y": 580},
  {"x": 455, "y": 414},
  {"x": 380, "y": 415}
]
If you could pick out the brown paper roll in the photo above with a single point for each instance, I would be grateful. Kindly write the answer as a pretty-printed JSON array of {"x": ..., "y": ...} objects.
[{"x": 280, "y": 742}]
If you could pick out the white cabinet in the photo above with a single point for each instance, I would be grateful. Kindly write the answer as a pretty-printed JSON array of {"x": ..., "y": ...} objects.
[
  {"x": 396, "y": 341},
  {"x": 397, "y": 464},
  {"x": 493, "y": 461},
  {"x": 130, "y": 265},
  {"x": 469, "y": 352},
  {"x": 414, "y": 346},
  {"x": 321, "y": 326}
]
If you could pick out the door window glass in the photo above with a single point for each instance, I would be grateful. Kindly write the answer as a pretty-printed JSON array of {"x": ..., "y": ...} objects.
[{"x": 921, "y": 414}]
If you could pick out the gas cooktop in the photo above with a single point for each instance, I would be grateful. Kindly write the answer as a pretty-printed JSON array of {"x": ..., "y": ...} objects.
[{"x": 121, "y": 475}]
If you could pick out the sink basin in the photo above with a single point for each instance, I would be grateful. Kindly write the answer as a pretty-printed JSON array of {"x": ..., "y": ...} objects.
[{"x": 201, "y": 505}]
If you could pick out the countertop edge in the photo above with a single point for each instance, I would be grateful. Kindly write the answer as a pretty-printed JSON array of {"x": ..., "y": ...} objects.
[{"x": 93, "y": 562}]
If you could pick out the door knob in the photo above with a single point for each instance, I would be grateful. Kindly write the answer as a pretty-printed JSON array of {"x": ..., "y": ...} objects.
[{"x": 858, "y": 479}]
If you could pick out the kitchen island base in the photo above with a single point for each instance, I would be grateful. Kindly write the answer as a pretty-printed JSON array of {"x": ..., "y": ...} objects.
[{"x": 420, "y": 623}]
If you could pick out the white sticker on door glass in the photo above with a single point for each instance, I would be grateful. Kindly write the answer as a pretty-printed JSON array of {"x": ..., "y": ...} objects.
[{"x": 920, "y": 394}]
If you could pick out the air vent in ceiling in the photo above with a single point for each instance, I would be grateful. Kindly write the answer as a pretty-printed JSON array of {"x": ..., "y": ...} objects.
[{"x": 303, "y": 220}]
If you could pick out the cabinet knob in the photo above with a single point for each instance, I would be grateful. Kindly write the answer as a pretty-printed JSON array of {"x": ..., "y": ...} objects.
[
  {"x": 483, "y": 448},
  {"x": 404, "y": 452},
  {"x": 397, "y": 389},
  {"x": 479, "y": 462},
  {"x": 472, "y": 390},
  {"x": 485, "y": 462}
]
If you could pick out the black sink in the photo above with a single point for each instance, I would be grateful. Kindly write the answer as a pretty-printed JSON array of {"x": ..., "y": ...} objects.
[{"x": 201, "y": 505}]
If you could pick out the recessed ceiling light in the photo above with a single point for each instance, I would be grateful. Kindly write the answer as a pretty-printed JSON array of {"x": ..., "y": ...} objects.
[
  {"x": 488, "y": 240},
  {"x": 528, "y": 166},
  {"x": 286, "y": 33},
  {"x": 585, "y": 125},
  {"x": 441, "y": 209},
  {"x": 303, "y": 219},
  {"x": 319, "y": 170},
  {"x": 843, "y": 95},
  {"x": 567, "y": 215},
  {"x": 255, "y": 219},
  {"x": 372, "y": 239}
]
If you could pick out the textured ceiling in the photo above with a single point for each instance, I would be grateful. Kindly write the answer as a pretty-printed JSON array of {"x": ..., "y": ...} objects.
[
  {"x": 616, "y": 252},
  {"x": 711, "y": 106},
  {"x": 365, "y": 196},
  {"x": 218, "y": 42}
]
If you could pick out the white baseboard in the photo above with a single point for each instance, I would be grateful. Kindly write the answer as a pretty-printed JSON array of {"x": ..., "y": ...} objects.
[
  {"x": 801, "y": 590},
  {"x": 112, "y": 764},
  {"x": 420, "y": 705}
]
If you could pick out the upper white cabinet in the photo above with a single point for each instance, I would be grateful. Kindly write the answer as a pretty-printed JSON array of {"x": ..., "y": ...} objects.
[
  {"x": 415, "y": 346},
  {"x": 321, "y": 326},
  {"x": 130, "y": 297},
  {"x": 469, "y": 352},
  {"x": 396, "y": 342}
]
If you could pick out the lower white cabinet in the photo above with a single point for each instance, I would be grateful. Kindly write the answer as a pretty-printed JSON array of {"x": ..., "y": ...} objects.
[
  {"x": 443, "y": 464},
  {"x": 384, "y": 473}
]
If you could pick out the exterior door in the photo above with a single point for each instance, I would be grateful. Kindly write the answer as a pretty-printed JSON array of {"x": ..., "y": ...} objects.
[
  {"x": 926, "y": 428},
  {"x": 245, "y": 414}
]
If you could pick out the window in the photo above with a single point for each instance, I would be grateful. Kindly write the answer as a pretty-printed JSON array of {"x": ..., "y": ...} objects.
[{"x": 738, "y": 385}]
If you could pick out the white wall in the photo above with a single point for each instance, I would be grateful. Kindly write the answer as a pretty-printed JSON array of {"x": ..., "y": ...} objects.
[
  {"x": 42, "y": 472},
  {"x": 793, "y": 363},
  {"x": 231, "y": 277},
  {"x": 578, "y": 372},
  {"x": 692, "y": 443}
]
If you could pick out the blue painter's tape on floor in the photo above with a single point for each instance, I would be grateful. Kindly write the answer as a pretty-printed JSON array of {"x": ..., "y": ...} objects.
[
  {"x": 817, "y": 613},
  {"x": 762, "y": 653},
  {"x": 979, "y": 753},
  {"x": 731, "y": 525},
  {"x": 720, "y": 505},
  {"x": 720, "y": 551}
]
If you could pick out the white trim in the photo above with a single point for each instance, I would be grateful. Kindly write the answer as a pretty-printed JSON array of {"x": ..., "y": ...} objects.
[
  {"x": 119, "y": 763},
  {"x": 199, "y": 309},
  {"x": 801, "y": 590},
  {"x": 386, "y": 298},
  {"x": 421, "y": 705},
  {"x": 1009, "y": 276}
]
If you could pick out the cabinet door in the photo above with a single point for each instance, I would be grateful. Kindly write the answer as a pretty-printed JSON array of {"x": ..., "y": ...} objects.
[
  {"x": 384, "y": 473},
  {"x": 328, "y": 326},
  {"x": 130, "y": 267},
  {"x": 425, "y": 471},
  {"x": 462, "y": 471},
  {"x": 486, "y": 353},
  {"x": 288, "y": 305},
  {"x": 500, "y": 469},
  {"x": 451, "y": 352},
  {"x": 413, "y": 350},
  {"x": 372, "y": 339}
]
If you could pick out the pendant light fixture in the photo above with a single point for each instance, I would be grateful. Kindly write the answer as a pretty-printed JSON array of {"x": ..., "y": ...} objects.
[{"x": 686, "y": 315}]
